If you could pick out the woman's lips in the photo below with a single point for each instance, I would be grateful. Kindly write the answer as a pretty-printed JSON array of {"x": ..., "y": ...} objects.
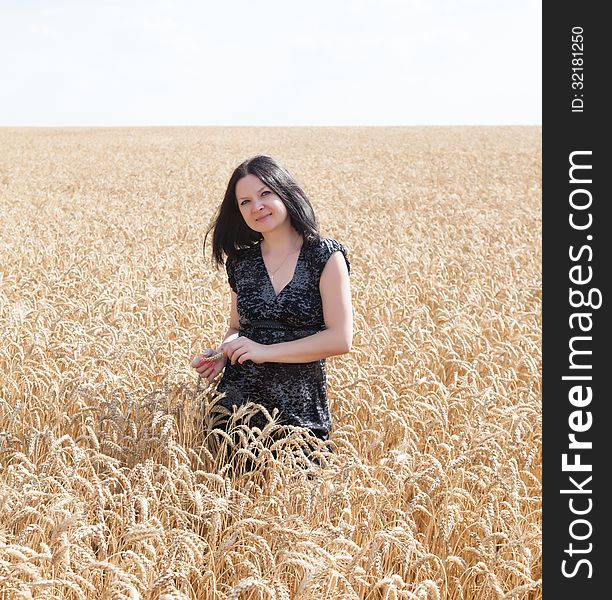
[{"x": 262, "y": 218}]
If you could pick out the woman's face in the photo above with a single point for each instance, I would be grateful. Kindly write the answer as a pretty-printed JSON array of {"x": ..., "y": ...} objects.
[{"x": 261, "y": 209}]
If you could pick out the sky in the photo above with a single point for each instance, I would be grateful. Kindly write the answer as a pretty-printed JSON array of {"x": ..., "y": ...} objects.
[{"x": 270, "y": 62}]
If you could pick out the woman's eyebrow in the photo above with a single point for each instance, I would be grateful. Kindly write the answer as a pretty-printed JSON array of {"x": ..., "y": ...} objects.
[{"x": 263, "y": 187}]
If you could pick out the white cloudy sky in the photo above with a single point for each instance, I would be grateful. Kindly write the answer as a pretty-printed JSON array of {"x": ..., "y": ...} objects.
[{"x": 270, "y": 62}]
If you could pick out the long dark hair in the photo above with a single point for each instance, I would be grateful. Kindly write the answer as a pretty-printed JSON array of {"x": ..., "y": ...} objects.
[{"x": 231, "y": 233}]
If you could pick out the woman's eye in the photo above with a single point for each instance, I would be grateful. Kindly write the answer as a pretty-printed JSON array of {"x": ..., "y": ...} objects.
[
  {"x": 266, "y": 192},
  {"x": 243, "y": 202}
]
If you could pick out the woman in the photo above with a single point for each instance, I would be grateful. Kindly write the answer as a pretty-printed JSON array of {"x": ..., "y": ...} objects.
[{"x": 290, "y": 298}]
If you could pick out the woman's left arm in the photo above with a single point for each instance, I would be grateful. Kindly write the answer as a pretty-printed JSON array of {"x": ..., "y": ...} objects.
[{"x": 336, "y": 338}]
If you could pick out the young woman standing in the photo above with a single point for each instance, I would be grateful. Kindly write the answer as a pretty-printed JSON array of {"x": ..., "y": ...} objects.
[{"x": 290, "y": 298}]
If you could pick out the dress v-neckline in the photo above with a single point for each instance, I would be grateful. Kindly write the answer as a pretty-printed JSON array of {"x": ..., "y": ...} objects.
[{"x": 263, "y": 264}]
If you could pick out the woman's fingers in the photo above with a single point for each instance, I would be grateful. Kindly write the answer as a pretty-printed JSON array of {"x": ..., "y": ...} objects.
[
  {"x": 234, "y": 353},
  {"x": 198, "y": 359},
  {"x": 243, "y": 349},
  {"x": 206, "y": 372},
  {"x": 215, "y": 369},
  {"x": 240, "y": 355},
  {"x": 230, "y": 353},
  {"x": 211, "y": 368},
  {"x": 208, "y": 369}
]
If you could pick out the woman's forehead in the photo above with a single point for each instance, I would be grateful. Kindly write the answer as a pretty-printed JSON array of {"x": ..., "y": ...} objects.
[{"x": 249, "y": 184}]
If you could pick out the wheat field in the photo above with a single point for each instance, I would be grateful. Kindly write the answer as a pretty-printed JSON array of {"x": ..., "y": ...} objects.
[{"x": 111, "y": 484}]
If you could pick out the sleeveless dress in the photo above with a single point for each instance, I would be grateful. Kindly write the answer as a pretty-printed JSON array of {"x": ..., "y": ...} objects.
[{"x": 298, "y": 390}]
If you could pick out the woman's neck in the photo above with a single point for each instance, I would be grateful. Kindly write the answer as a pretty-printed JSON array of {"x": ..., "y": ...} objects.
[{"x": 281, "y": 242}]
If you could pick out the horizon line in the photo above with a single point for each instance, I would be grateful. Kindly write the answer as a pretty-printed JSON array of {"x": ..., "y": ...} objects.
[{"x": 2, "y": 126}]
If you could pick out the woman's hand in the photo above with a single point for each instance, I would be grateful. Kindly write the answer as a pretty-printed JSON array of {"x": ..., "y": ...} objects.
[
  {"x": 242, "y": 348},
  {"x": 209, "y": 369}
]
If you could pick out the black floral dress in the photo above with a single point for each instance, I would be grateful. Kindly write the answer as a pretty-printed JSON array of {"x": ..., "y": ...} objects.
[{"x": 298, "y": 390}]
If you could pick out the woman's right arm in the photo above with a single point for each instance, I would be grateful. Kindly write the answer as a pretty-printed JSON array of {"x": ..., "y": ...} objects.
[
  {"x": 208, "y": 369},
  {"x": 234, "y": 322}
]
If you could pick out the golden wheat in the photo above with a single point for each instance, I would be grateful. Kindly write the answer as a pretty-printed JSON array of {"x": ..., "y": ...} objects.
[{"x": 113, "y": 483}]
